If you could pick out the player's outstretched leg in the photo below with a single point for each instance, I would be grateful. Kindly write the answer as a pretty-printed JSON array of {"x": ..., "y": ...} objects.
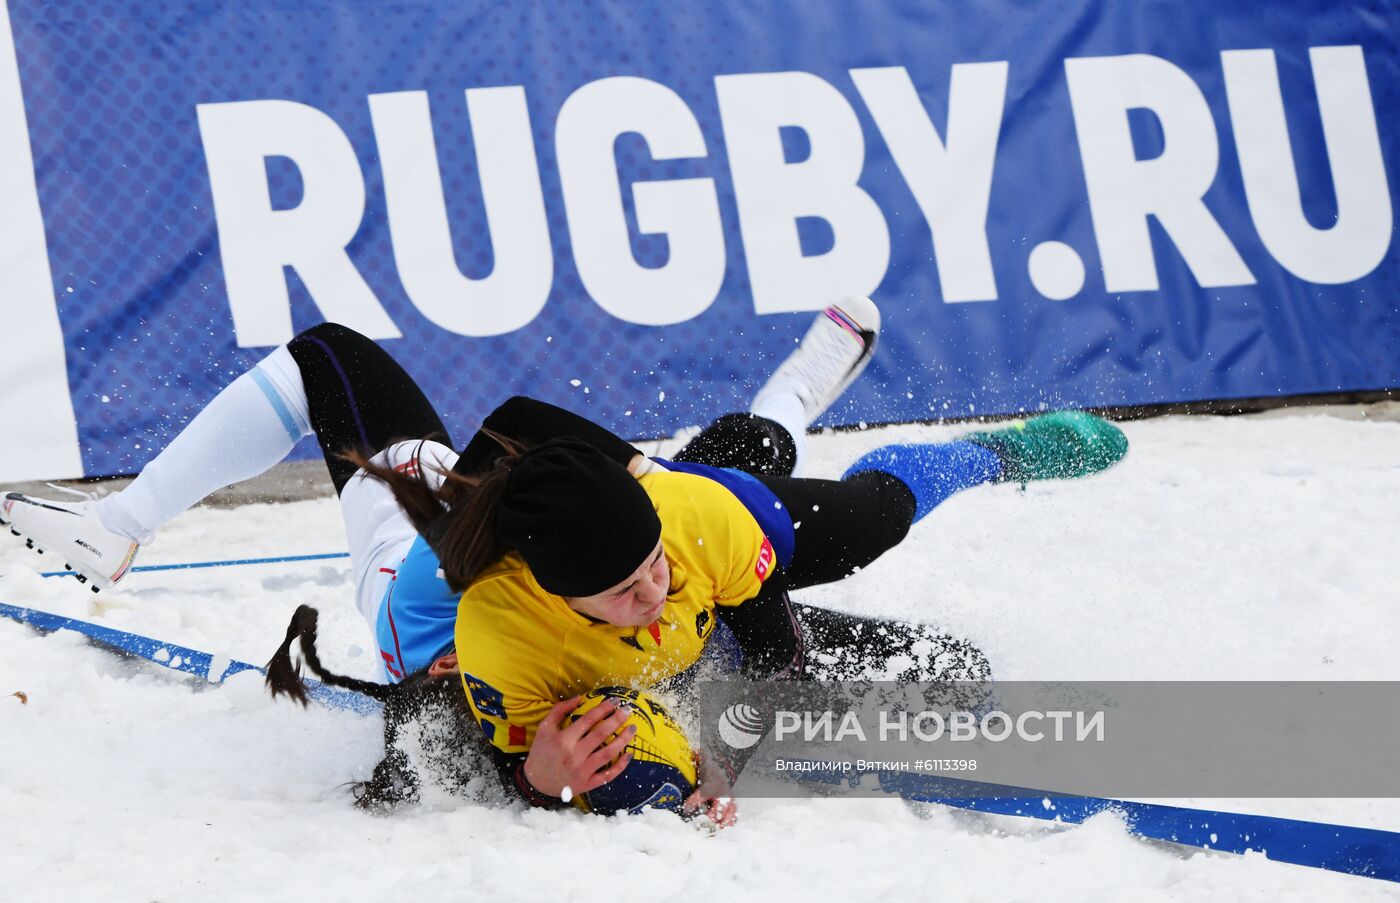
[
  {"x": 771, "y": 439},
  {"x": 247, "y": 428},
  {"x": 329, "y": 380},
  {"x": 1062, "y": 445}
]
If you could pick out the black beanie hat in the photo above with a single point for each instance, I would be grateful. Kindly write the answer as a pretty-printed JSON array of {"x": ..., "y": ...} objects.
[{"x": 578, "y": 518}]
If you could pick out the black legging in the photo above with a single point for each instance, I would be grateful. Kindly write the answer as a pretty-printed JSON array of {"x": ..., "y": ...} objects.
[{"x": 359, "y": 397}]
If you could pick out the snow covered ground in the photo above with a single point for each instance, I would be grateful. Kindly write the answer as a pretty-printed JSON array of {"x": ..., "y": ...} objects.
[{"x": 1222, "y": 548}]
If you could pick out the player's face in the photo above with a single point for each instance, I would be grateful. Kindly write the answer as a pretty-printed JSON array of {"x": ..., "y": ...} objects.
[{"x": 636, "y": 601}]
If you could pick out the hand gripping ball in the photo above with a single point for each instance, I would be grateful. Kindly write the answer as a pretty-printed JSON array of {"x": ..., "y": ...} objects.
[{"x": 662, "y": 771}]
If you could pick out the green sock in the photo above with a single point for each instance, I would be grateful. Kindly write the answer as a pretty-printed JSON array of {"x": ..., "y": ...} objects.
[{"x": 1058, "y": 446}]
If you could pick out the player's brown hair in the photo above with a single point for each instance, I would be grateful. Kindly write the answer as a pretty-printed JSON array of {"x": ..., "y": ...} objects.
[{"x": 458, "y": 518}]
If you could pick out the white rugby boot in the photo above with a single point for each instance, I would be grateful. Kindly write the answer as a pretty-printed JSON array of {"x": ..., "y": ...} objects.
[
  {"x": 72, "y": 531},
  {"x": 835, "y": 350}
]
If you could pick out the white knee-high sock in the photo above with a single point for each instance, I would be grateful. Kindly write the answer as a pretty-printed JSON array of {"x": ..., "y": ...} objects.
[
  {"x": 786, "y": 410},
  {"x": 248, "y": 427}
]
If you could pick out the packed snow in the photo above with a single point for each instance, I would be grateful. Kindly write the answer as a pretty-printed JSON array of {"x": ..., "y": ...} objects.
[{"x": 1237, "y": 548}]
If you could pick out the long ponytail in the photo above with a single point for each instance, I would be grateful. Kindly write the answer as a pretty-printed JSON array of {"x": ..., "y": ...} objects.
[
  {"x": 419, "y": 696},
  {"x": 284, "y": 676}
]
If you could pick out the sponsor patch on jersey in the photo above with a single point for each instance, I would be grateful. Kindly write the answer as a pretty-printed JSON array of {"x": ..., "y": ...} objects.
[
  {"x": 487, "y": 699},
  {"x": 764, "y": 566}
]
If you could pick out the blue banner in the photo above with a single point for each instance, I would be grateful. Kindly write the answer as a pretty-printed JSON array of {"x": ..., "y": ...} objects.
[{"x": 630, "y": 208}]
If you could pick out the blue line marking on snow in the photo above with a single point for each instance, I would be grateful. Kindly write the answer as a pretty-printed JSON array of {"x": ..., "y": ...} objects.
[
  {"x": 1339, "y": 848},
  {"x": 177, "y": 657},
  {"x": 278, "y": 559}
]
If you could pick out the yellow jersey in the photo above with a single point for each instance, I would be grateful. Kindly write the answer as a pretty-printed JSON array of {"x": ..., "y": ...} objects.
[{"x": 522, "y": 649}]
